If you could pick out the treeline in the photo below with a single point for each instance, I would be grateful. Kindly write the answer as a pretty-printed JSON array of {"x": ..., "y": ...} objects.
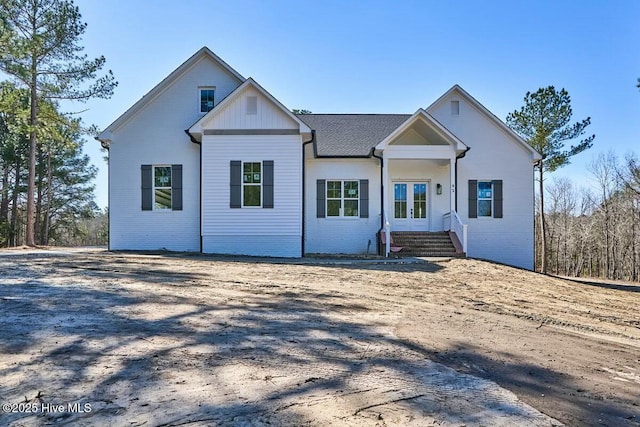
[
  {"x": 65, "y": 212},
  {"x": 46, "y": 180},
  {"x": 595, "y": 231}
]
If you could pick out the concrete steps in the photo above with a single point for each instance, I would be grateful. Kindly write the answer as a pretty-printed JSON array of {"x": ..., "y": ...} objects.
[{"x": 425, "y": 244}]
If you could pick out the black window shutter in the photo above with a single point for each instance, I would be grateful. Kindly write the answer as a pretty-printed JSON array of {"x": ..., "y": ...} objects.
[
  {"x": 176, "y": 187},
  {"x": 473, "y": 198},
  {"x": 147, "y": 188},
  {"x": 267, "y": 184},
  {"x": 497, "y": 198},
  {"x": 364, "y": 198},
  {"x": 320, "y": 198},
  {"x": 236, "y": 184}
]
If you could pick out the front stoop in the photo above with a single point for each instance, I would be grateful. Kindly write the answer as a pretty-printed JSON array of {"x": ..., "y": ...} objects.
[{"x": 425, "y": 244}]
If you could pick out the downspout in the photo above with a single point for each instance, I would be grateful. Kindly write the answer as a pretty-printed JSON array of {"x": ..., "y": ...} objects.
[
  {"x": 200, "y": 201},
  {"x": 108, "y": 199},
  {"x": 535, "y": 252},
  {"x": 106, "y": 144},
  {"x": 460, "y": 156},
  {"x": 304, "y": 184},
  {"x": 381, "y": 195},
  {"x": 195, "y": 141}
]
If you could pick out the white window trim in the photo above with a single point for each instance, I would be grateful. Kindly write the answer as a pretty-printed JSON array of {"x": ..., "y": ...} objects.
[
  {"x": 256, "y": 185},
  {"x": 153, "y": 189},
  {"x": 342, "y": 199},
  {"x": 490, "y": 181},
  {"x": 200, "y": 89}
]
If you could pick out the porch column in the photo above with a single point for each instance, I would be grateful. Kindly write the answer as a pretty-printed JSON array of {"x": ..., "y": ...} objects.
[
  {"x": 385, "y": 203},
  {"x": 452, "y": 170}
]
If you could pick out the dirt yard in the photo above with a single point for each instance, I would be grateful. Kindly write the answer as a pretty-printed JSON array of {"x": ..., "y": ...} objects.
[{"x": 98, "y": 338}]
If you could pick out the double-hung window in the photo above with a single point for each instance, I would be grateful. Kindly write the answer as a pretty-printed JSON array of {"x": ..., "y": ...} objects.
[
  {"x": 252, "y": 184},
  {"x": 343, "y": 198},
  {"x": 485, "y": 199},
  {"x": 161, "y": 187},
  {"x": 207, "y": 99}
]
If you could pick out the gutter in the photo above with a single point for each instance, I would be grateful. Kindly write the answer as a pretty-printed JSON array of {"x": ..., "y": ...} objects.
[
  {"x": 195, "y": 141},
  {"x": 344, "y": 157},
  {"x": 105, "y": 143},
  {"x": 304, "y": 185}
]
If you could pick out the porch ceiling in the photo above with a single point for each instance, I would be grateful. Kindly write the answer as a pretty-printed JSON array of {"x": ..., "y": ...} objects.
[{"x": 419, "y": 133}]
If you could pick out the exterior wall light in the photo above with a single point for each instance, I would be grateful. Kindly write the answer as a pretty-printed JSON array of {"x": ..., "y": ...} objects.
[{"x": 438, "y": 189}]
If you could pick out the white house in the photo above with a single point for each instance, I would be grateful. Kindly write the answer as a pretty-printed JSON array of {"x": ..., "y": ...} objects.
[{"x": 210, "y": 161}]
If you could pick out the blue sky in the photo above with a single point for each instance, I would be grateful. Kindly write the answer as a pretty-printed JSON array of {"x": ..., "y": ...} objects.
[{"x": 384, "y": 57}]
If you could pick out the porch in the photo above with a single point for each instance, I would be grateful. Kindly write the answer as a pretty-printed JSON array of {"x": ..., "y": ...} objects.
[{"x": 419, "y": 163}]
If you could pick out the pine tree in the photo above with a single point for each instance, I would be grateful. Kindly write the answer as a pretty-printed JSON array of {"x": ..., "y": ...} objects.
[
  {"x": 39, "y": 47},
  {"x": 544, "y": 122}
]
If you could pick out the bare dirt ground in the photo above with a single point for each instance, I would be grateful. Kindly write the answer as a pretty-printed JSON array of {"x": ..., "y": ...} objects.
[{"x": 191, "y": 340}]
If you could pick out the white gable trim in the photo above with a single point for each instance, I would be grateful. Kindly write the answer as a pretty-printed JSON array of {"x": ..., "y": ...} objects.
[
  {"x": 492, "y": 117},
  {"x": 105, "y": 136},
  {"x": 197, "y": 128},
  {"x": 421, "y": 114}
]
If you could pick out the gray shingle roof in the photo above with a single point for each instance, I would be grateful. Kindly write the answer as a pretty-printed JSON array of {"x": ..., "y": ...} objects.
[{"x": 349, "y": 135}]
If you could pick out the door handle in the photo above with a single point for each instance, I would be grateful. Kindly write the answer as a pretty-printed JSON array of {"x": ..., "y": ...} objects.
[{"x": 411, "y": 213}]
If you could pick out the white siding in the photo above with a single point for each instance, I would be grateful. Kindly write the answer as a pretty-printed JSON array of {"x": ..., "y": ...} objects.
[
  {"x": 155, "y": 135},
  {"x": 341, "y": 235},
  {"x": 254, "y": 245},
  {"x": 252, "y": 231},
  {"x": 234, "y": 115},
  {"x": 493, "y": 155}
]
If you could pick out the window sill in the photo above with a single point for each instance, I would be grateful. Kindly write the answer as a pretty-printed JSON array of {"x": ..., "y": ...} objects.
[{"x": 348, "y": 218}]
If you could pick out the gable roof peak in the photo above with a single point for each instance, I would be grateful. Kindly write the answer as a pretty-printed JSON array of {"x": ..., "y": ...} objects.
[
  {"x": 195, "y": 130},
  {"x": 203, "y": 52},
  {"x": 423, "y": 115},
  {"x": 492, "y": 117}
]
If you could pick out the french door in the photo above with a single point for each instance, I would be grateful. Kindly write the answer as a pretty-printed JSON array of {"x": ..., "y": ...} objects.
[{"x": 410, "y": 206}]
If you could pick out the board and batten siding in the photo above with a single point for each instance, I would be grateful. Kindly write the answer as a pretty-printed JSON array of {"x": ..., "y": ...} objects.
[
  {"x": 257, "y": 231},
  {"x": 234, "y": 115},
  {"x": 341, "y": 235},
  {"x": 155, "y": 136},
  {"x": 494, "y": 155}
]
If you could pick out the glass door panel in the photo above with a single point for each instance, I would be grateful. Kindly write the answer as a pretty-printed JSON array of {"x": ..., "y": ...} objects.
[
  {"x": 400, "y": 201},
  {"x": 420, "y": 201}
]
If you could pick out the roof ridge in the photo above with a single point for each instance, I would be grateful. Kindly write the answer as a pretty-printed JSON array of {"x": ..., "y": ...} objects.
[{"x": 355, "y": 114}]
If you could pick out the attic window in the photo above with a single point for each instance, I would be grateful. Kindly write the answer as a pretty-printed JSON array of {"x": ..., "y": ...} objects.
[
  {"x": 206, "y": 99},
  {"x": 455, "y": 108},
  {"x": 252, "y": 105}
]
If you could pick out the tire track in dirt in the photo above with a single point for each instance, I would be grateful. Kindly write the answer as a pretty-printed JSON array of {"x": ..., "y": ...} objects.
[{"x": 175, "y": 340}]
